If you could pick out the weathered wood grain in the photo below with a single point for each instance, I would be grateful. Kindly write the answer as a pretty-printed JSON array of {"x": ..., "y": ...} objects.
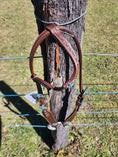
[{"x": 61, "y": 102}]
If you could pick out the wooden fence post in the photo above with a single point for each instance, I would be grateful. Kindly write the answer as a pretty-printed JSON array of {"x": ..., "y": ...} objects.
[{"x": 61, "y": 102}]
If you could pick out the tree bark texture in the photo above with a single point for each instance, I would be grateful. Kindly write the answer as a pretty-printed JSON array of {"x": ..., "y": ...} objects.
[{"x": 61, "y": 102}]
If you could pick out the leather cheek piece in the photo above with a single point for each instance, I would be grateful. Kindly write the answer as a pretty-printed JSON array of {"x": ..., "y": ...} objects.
[{"x": 55, "y": 31}]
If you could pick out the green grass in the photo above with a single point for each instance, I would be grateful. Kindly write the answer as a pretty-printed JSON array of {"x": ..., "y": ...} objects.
[{"x": 17, "y": 34}]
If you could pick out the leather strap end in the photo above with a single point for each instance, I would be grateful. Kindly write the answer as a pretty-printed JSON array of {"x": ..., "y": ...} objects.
[
  {"x": 48, "y": 115},
  {"x": 71, "y": 117}
]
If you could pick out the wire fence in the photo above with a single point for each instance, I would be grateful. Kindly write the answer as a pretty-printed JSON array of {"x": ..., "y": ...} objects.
[
  {"x": 38, "y": 114},
  {"x": 89, "y": 93},
  {"x": 45, "y": 126},
  {"x": 81, "y": 112},
  {"x": 85, "y": 54}
]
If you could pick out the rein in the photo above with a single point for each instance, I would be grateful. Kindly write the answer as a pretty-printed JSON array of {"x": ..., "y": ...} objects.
[{"x": 56, "y": 32}]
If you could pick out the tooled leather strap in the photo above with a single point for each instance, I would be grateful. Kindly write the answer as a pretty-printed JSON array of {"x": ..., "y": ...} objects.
[
  {"x": 57, "y": 34},
  {"x": 78, "y": 104},
  {"x": 82, "y": 92}
]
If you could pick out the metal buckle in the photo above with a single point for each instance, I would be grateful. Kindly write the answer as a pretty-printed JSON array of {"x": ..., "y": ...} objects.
[
  {"x": 53, "y": 126},
  {"x": 68, "y": 124},
  {"x": 42, "y": 96},
  {"x": 50, "y": 127},
  {"x": 80, "y": 101}
]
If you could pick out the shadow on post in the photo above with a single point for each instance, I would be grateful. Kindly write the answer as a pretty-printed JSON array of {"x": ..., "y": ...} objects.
[{"x": 23, "y": 107}]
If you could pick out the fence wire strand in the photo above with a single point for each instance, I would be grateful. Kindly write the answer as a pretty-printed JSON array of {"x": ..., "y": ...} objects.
[
  {"x": 44, "y": 126},
  {"x": 80, "y": 112},
  {"x": 84, "y": 54}
]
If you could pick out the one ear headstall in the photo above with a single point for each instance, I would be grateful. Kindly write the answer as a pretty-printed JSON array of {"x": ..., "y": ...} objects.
[
  {"x": 56, "y": 32},
  {"x": 58, "y": 35}
]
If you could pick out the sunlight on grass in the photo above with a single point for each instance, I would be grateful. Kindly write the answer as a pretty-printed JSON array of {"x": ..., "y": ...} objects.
[{"x": 100, "y": 74}]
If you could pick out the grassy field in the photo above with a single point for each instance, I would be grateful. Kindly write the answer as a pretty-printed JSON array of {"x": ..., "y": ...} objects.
[{"x": 100, "y": 73}]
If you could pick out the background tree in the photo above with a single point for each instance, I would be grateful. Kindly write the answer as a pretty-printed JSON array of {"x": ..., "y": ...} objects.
[{"x": 61, "y": 102}]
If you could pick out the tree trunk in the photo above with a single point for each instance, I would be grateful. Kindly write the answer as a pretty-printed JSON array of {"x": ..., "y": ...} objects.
[{"x": 61, "y": 102}]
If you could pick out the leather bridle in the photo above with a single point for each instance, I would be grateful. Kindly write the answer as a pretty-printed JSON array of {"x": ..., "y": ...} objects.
[{"x": 56, "y": 32}]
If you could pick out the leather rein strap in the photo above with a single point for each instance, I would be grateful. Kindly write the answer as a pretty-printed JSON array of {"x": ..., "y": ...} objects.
[{"x": 56, "y": 32}]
